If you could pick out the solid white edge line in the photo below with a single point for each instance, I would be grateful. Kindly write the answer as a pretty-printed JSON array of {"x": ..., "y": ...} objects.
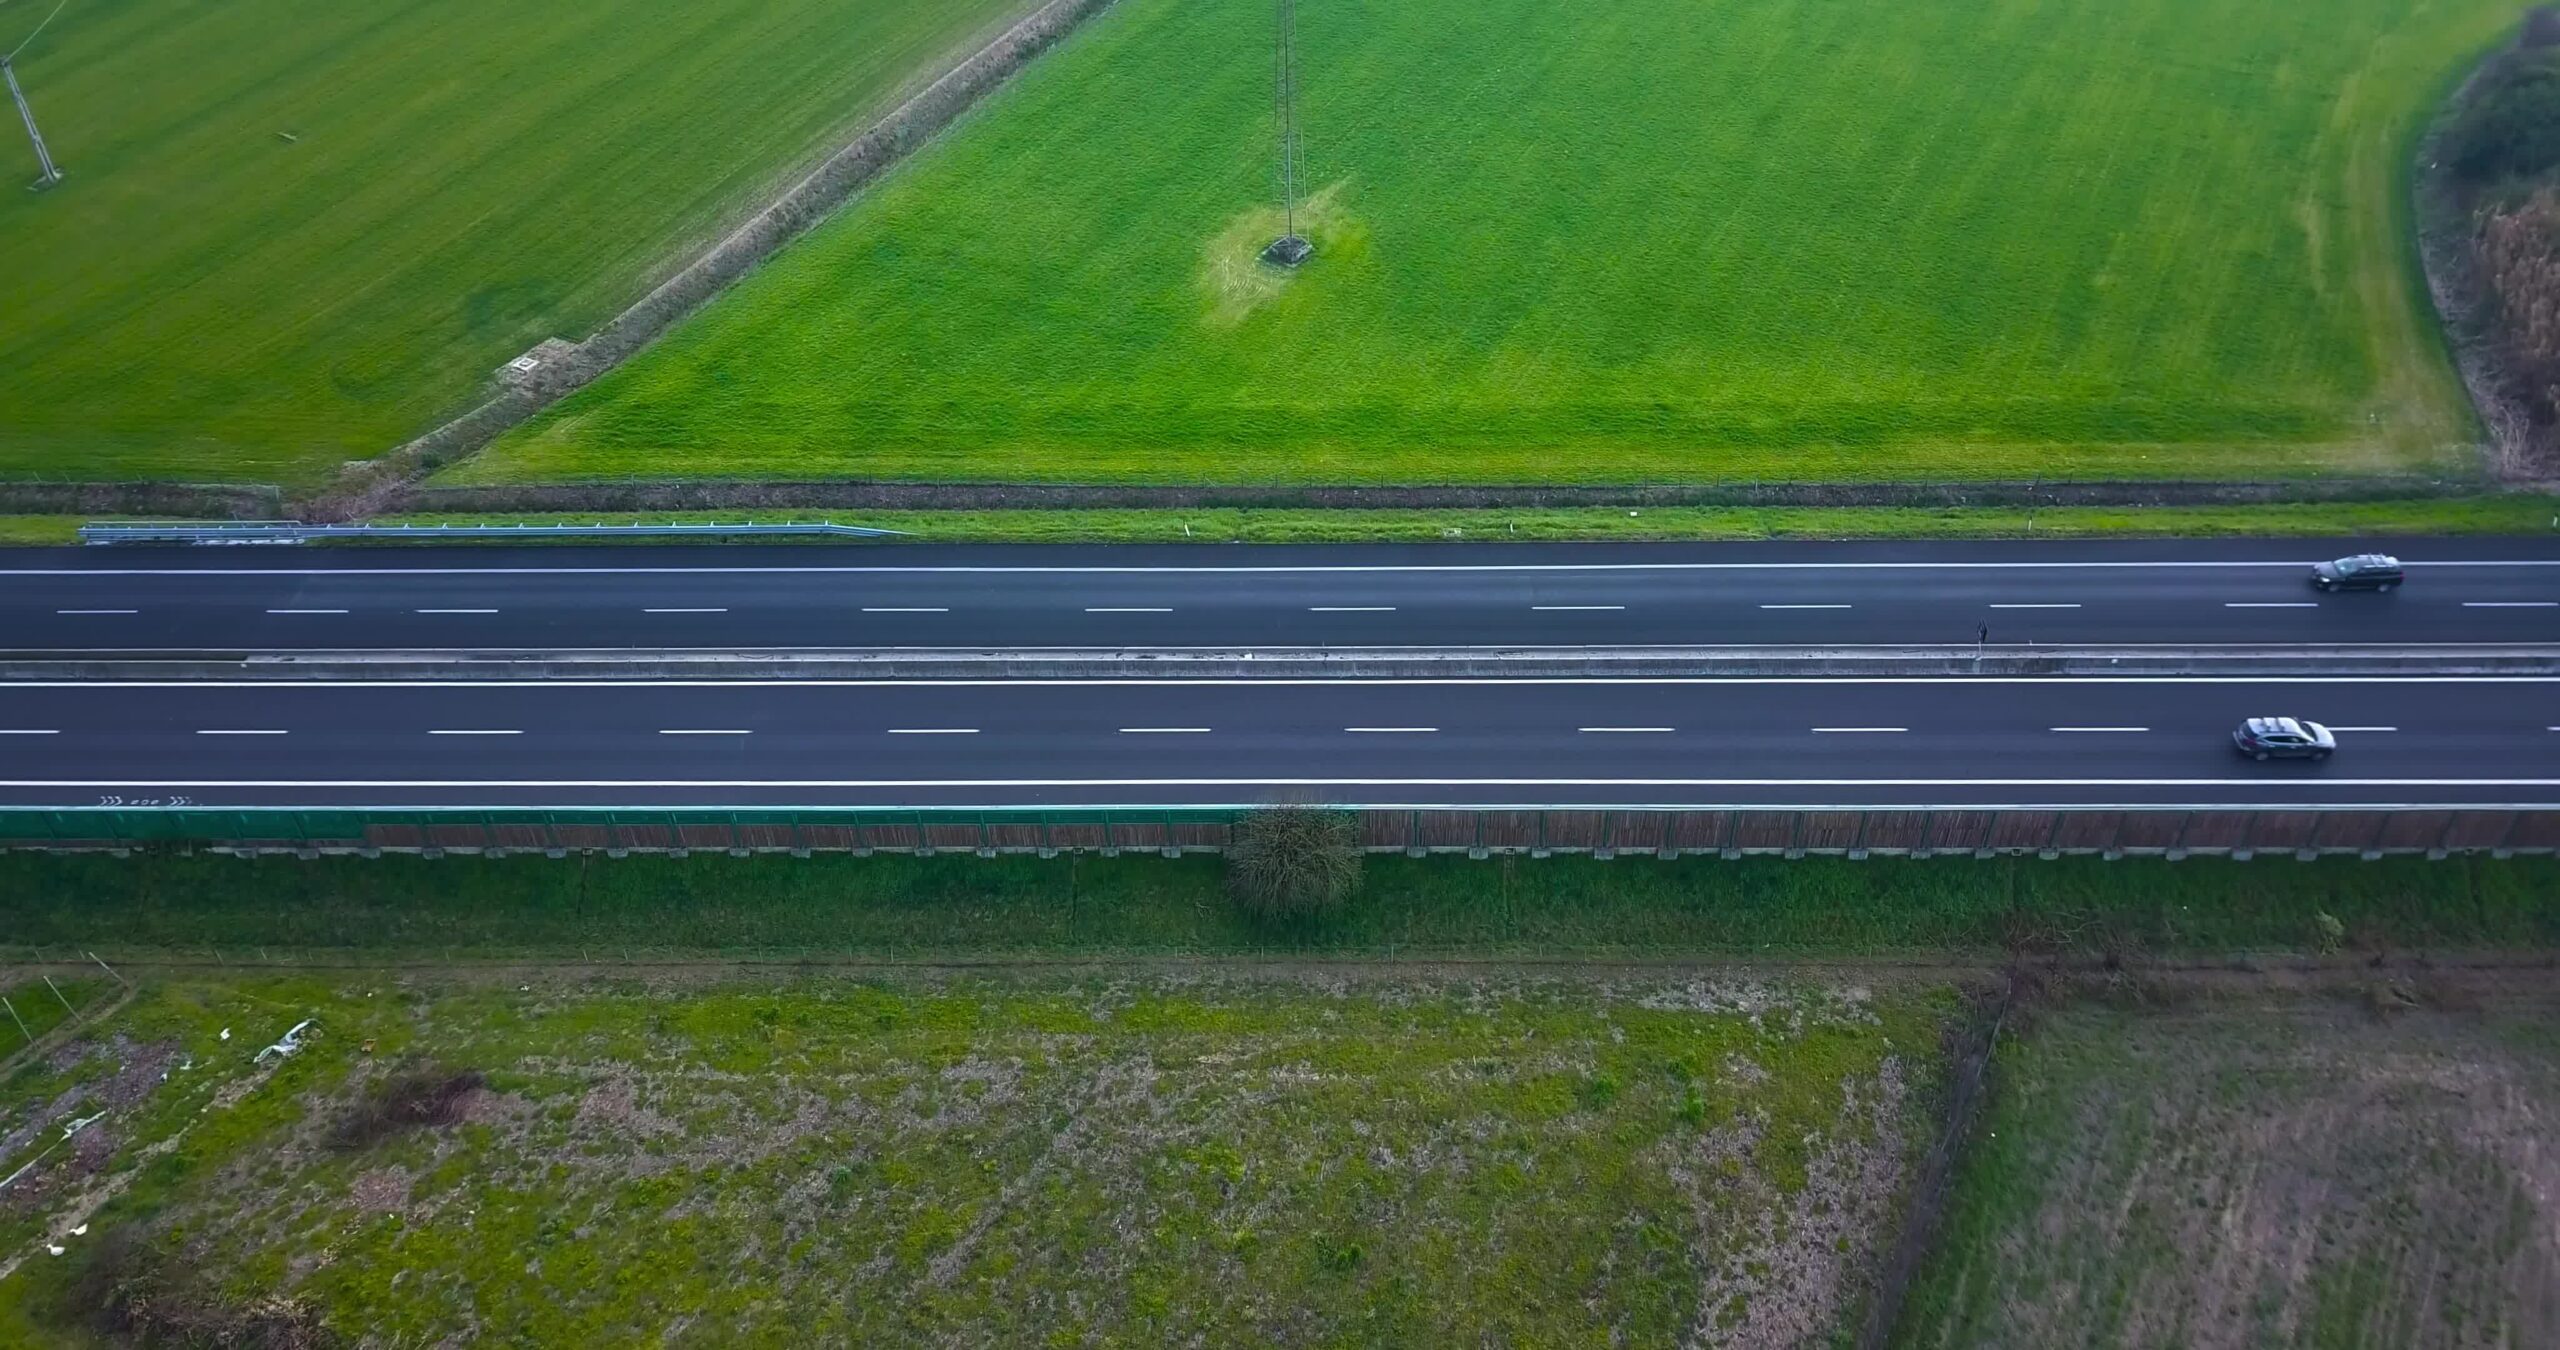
[
  {"x": 470, "y": 732},
  {"x": 958, "y": 570},
  {"x": 831, "y": 783},
  {"x": 933, "y": 731},
  {"x": 2097, "y": 728},
  {"x": 1162, "y": 731},
  {"x": 1246, "y": 681},
  {"x": 1853, "y": 730},
  {"x": 704, "y": 731}
]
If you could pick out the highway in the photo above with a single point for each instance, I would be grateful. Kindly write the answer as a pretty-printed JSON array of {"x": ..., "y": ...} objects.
[
  {"x": 1654, "y": 742},
  {"x": 2174, "y": 593}
]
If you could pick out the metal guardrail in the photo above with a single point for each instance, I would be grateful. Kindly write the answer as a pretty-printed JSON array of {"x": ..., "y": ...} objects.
[{"x": 296, "y": 532}]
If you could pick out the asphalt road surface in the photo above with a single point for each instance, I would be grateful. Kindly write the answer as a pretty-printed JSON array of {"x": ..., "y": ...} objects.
[
  {"x": 2205, "y": 592},
  {"x": 1655, "y": 742}
]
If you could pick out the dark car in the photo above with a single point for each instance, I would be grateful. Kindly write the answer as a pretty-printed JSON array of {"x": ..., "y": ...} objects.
[
  {"x": 2283, "y": 738},
  {"x": 2363, "y": 572}
]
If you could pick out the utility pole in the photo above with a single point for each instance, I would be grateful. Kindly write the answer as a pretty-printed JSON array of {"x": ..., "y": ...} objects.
[
  {"x": 1290, "y": 249},
  {"x": 47, "y": 175}
]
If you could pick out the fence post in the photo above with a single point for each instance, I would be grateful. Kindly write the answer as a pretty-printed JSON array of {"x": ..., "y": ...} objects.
[
  {"x": 986, "y": 838},
  {"x": 1538, "y": 838},
  {"x": 2444, "y": 839},
  {"x": 2242, "y": 851},
  {"x": 1795, "y": 835},
  {"x": 2053, "y": 838},
  {"x": 2504, "y": 847},
  {"x": 1171, "y": 849},
  {"x": 2372, "y": 851},
  {"x": 1607, "y": 847},
  {"x": 551, "y": 845},
  {"x": 1413, "y": 835},
  {"x": 1928, "y": 826},
  {"x": 2178, "y": 841},
  {"x": 1479, "y": 851},
  {"x": 1732, "y": 831},
  {"x": 1048, "y": 849},
  {"x": 1858, "y": 841},
  {"x": 2115, "y": 842}
]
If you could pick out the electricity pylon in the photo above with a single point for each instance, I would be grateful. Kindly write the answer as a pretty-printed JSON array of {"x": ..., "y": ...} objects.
[{"x": 1291, "y": 248}]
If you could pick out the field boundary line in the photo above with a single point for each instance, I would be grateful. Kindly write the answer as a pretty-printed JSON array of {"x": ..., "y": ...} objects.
[{"x": 561, "y": 367}]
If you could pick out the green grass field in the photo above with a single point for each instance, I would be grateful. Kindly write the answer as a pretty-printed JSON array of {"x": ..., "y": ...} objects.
[
  {"x": 205, "y": 299},
  {"x": 1630, "y": 240}
]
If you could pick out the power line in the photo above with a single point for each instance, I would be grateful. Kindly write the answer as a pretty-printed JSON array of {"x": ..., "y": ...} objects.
[{"x": 47, "y": 175}]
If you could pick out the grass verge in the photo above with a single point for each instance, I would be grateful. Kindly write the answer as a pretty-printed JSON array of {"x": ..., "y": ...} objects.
[
  {"x": 2508, "y": 513},
  {"x": 899, "y": 906}
]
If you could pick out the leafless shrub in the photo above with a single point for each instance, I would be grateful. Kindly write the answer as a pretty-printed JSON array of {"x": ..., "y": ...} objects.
[
  {"x": 2520, "y": 255},
  {"x": 133, "y": 1294},
  {"x": 404, "y": 1101},
  {"x": 1294, "y": 863}
]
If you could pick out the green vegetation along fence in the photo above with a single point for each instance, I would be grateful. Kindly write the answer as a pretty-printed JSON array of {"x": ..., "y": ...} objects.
[{"x": 1856, "y": 834}]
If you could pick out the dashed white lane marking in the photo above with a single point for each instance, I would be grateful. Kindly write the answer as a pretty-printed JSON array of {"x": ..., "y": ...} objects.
[
  {"x": 238, "y": 731},
  {"x": 1842, "y": 731},
  {"x": 1391, "y": 729},
  {"x": 704, "y": 610},
  {"x": 906, "y": 609},
  {"x": 1560, "y": 609},
  {"x": 306, "y": 611},
  {"x": 29, "y": 731},
  {"x": 1128, "y": 609},
  {"x": 933, "y": 731},
  {"x": 2098, "y": 728},
  {"x": 457, "y": 611},
  {"x": 2511, "y": 604},
  {"x": 2364, "y": 728},
  {"x": 473, "y": 731},
  {"x": 2271, "y": 604},
  {"x": 1351, "y": 609},
  {"x": 705, "y": 731},
  {"x": 97, "y": 611},
  {"x": 1627, "y": 730},
  {"x": 2037, "y": 606},
  {"x": 1162, "y": 731},
  {"x": 1805, "y": 607}
]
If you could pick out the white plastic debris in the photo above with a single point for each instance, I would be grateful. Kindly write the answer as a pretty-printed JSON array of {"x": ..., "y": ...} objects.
[
  {"x": 292, "y": 1041},
  {"x": 226, "y": 1033},
  {"x": 82, "y": 1123}
]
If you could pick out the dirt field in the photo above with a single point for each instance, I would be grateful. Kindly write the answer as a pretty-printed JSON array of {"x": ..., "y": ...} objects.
[
  {"x": 2371, "y": 1168},
  {"x": 1122, "y": 1157}
]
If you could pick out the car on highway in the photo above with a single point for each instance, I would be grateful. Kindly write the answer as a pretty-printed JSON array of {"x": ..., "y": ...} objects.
[
  {"x": 2362, "y": 572},
  {"x": 2264, "y": 738}
]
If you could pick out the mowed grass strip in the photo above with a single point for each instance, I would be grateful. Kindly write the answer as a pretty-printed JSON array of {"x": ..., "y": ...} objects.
[
  {"x": 1632, "y": 240},
  {"x": 295, "y": 232},
  {"x": 897, "y": 907}
]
